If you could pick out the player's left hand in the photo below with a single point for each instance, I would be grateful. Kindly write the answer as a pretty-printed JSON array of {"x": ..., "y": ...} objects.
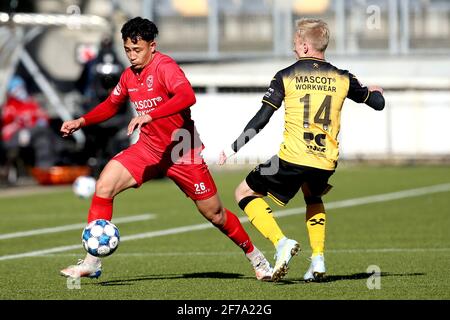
[
  {"x": 222, "y": 158},
  {"x": 138, "y": 122}
]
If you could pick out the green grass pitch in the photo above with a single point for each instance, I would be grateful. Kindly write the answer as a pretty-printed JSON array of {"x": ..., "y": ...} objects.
[{"x": 405, "y": 236}]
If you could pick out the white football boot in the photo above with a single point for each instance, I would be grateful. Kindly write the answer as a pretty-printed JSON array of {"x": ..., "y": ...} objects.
[
  {"x": 262, "y": 267},
  {"x": 83, "y": 269},
  {"x": 286, "y": 249},
  {"x": 316, "y": 271}
]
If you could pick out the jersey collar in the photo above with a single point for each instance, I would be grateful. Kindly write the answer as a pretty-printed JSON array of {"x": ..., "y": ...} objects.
[{"x": 311, "y": 58}]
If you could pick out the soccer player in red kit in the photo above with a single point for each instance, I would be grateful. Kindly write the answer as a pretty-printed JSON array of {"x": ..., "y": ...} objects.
[{"x": 168, "y": 143}]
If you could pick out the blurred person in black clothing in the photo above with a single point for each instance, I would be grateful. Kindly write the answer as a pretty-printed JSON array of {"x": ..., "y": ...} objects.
[{"x": 99, "y": 76}]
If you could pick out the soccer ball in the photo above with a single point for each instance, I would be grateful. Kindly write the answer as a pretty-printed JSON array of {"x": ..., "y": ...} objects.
[
  {"x": 100, "y": 238},
  {"x": 84, "y": 187}
]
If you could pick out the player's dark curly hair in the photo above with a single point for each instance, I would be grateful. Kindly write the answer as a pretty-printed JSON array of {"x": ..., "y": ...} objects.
[{"x": 139, "y": 28}]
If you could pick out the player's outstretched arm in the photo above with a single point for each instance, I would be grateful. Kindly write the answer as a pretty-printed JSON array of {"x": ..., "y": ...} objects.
[
  {"x": 100, "y": 113},
  {"x": 371, "y": 95},
  {"x": 256, "y": 124},
  {"x": 69, "y": 127},
  {"x": 375, "y": 99}
]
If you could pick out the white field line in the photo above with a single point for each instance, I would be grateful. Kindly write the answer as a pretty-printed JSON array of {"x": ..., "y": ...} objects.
[
  {"x": 235, "y": 253},
  {"x": 373, "y": 199},
  {"x": 387, "y": 250},
  {"x": 76, "y": 226},
  {"x": 282, "y": 213}
]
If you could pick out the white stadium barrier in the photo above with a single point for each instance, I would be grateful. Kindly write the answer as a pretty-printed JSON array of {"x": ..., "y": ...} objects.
[{"x": 412, "y": 126}]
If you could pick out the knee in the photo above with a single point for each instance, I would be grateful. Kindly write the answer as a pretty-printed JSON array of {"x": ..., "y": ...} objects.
[
  {"x": 215, "y": 214},
  {"x": 310, "y": 200},
  {"x": 244, "y": 195},
  {"x": 103, "y": 189},
  {"x": 218, "y": 219},
  {"x": 242, "y": 191},
  {"x": 238, "y": 194}
]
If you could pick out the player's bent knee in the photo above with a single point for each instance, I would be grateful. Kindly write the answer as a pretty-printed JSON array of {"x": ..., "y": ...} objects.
[
  {"x": 114, "y": 179},
  {"x": 239, "y": 194},
  {"x": 313, "y": 199},
  {"x": 213, "y": 211},
  {"x": 103, "y": 189},
  {"x": 245, "y": 201},
  {"x": 216, "y": 217},
  {"x": 243, "y": 191}
]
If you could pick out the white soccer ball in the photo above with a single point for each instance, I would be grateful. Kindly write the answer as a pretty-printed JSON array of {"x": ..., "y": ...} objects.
[
  {"x": 84, "y": 187},
  {"x": 100, "y": 238}
]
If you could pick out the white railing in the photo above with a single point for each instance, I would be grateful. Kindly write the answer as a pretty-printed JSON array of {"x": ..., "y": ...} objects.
[{"x": 412, "y": 126}]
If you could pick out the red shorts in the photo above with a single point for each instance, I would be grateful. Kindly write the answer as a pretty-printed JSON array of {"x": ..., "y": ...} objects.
[{"x": 194, "y": 179}]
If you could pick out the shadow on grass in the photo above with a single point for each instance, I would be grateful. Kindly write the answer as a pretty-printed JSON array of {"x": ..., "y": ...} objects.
[
  {"x": 196, "y": 275},
  {"x": 355, "y": 276},
  {"x": 223, "y": 275}
]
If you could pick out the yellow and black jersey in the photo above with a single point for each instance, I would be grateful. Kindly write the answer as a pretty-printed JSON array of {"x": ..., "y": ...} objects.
[{"x": 313, "y": 92}]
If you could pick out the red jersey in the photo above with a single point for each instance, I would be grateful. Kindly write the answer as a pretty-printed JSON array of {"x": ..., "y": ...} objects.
[{"x": 149, "y": 89}]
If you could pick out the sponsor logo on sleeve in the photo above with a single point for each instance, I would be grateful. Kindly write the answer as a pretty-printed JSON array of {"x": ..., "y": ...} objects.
[
  {"x": 117, "y": 90},
  {"x": 269, "y": 92}
]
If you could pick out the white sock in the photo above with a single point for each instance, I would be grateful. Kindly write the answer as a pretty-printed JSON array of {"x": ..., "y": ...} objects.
[
  {"x": 254, "y": 256},
  {"x": 90, "y": 259}
]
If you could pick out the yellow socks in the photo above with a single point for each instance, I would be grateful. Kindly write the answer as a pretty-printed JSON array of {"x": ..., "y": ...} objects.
[
  {"x": 315, "y": 223},
  {"x": 260, "y": 215}
]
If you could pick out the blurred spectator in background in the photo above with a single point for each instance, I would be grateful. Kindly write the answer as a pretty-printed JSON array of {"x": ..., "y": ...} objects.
[
  {"x": 99, "y": 76},
  {"x": 26, "y": 135}
]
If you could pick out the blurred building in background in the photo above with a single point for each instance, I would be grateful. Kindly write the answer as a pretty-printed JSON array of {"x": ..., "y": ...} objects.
[{"x": 230, "y": 49}]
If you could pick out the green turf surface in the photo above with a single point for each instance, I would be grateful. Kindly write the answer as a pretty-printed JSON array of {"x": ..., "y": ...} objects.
[{"x": 408, "y": 239}]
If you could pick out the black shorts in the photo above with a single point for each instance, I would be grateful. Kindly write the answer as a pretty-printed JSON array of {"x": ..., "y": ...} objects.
[{"x": 281, "y": 180}]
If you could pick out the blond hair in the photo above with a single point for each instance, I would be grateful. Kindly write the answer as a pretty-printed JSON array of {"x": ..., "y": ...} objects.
[{"x": 314, "y": 31}]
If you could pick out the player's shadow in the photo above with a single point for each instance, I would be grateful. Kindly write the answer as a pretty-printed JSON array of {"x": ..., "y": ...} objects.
[
  {"x": 224, "y": 275},
  {"x": 195, "y": 275},
  {"x": 354, "y": 276}
]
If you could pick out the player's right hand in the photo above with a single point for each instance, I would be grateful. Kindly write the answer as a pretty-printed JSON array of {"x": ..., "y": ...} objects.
[
  {"x": 138, "y": 122},
  {"x": 222, "y": 158},
  {"x": 69, "y": 127}
]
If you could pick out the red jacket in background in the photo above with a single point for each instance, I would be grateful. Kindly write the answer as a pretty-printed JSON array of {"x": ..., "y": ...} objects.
[{"x": 17, "y": 115}]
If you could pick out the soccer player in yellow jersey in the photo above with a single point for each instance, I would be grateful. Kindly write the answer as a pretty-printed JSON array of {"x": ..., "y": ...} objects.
[{"x": 313, "y": 91}]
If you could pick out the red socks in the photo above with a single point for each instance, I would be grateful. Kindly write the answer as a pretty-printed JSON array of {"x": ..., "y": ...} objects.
[
  {"x": 234, "y": 230},
  {"x": 101, "y": 208}
]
